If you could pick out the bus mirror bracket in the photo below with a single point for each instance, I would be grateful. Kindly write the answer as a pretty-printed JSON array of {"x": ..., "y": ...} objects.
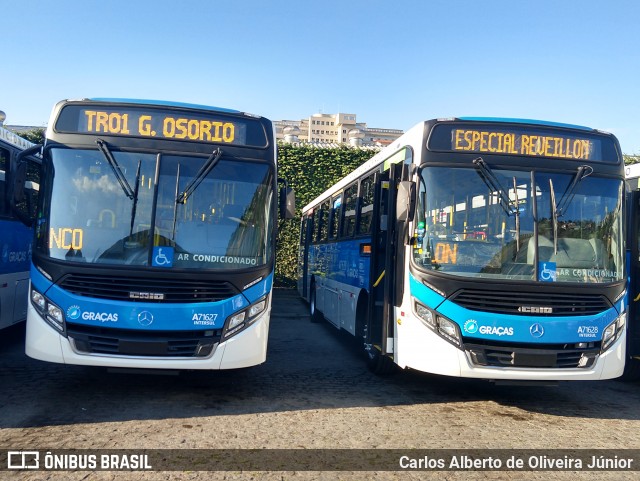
[
  {"x": 406, "y": 201},
  {"x": 287, "y": 202}
]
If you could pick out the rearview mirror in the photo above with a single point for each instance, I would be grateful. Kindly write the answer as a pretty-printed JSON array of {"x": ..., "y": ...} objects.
[{"x": 406, "y": 200}]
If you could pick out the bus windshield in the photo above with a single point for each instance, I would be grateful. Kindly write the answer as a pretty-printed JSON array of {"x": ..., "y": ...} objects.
[
  {"x": 130, "y": 210},
  {"x": 482, "y": 222}
]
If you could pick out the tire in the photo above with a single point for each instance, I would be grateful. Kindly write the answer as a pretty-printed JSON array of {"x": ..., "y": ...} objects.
[{"x": 315, "y": 315}]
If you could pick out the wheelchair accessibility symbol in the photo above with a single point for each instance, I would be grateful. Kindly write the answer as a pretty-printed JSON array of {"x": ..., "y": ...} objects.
[
  {"x": 547, "y": 271},
  {"x": 162, "y": 257}
]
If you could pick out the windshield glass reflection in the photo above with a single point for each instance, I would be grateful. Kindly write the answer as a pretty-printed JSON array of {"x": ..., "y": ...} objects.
[
  {"x": 224, "y": 223},
  {"x": 469, "y": 227}
]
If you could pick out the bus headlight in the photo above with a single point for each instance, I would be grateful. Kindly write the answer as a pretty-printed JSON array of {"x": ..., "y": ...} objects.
[
  {"x": 38, "y": 301},
  {"x": 243, "y": 319},
  {"x": 613, "y": 331},
  {"x": 445, "y": 328},
  {"x": 51, "y": 313}
]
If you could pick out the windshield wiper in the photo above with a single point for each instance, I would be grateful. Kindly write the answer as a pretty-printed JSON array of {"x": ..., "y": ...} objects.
[
  {"x": 583, "y": 172},
  {"x": 492, "y": 182},
  {"x": 117, "y": 171},
  {"x": 134, "y": 207},
  {"x": 517, "y": 213},
  {"x": 511, "y": 207},
  {"x": 557, "y": 210},
  {"x": 209, "y": 164},
  {"x": 554, "y": 216}
]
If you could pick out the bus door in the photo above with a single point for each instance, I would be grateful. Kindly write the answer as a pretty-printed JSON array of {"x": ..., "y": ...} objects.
[
  {"x": 385, "y": 269},
  {"x": 634, "y": 272},
  {"x": 303, "y": 255}
]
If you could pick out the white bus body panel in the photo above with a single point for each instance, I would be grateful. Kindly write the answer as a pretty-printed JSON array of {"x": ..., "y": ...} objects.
[
  {"x": 247, "y": 348},
  {"x": 418, "y": 347}
]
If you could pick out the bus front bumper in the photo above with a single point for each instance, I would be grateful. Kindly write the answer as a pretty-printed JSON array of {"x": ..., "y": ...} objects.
[
  {"x": 247, "y": 348},
  {"x": 445, "y": 359}
]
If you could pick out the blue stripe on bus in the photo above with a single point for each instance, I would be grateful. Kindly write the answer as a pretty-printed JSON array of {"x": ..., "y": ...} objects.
[
  {"x": 526, "y": 121},
  {"x": 422, "y": 293},
  {"x": 165, "y": 317},
  {"x": 515, "y": 328}
]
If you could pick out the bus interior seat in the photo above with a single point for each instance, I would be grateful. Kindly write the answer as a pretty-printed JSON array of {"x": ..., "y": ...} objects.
[
  {"x": 577, "y": 253},
  {"x": 203, "y": 238}
]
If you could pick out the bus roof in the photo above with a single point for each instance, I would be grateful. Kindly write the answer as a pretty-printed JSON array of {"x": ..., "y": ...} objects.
[
  {"x": 525, "y": 121},
  {"x": 163, "y": 103}
]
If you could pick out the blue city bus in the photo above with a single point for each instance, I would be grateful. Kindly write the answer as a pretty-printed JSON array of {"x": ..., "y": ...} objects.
[
  {"x": 477, "y": 247},
  {"x": 155, "y": 236},
  {"x": 15, "y": 237}
]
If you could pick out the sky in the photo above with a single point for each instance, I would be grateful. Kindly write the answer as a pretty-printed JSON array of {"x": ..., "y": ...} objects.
[{"x": 393, "y": 63}]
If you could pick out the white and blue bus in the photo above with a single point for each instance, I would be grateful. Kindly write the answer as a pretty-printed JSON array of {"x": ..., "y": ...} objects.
[
  {"x": 155, "y": 236},
  {"x": 15, "y": 237},
  {"x": 479, "y": 248}
]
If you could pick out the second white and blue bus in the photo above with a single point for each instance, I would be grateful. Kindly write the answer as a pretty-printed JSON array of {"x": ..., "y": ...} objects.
[{"x": 480, "y": 248}]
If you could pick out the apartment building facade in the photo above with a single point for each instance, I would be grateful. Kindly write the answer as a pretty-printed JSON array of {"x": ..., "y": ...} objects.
[{"x": 336, "y": 129}]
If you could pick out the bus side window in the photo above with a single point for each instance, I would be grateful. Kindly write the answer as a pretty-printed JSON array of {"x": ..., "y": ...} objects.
[
  {"x": 4, "y": 166},
  {"x": 348, "y": 227},
  {"x": 323, "y": 231},
  {"x": 314, "y": 227},
  {"x": 303, "y": 230},
  {"x": 336, "y": 212},
  {"x": 366, "y": 205}
]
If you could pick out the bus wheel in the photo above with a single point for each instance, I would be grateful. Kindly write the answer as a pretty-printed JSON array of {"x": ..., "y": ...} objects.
[
  {"x": 316, "y": 315},
  {"x": 376, "y": 362}
]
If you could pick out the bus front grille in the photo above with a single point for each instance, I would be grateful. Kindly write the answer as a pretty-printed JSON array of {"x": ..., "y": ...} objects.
[
  {"x": 531, "y": 303},
  {"x": 123, "y": 342},
  {"x": 148, "y": 289},
  {"x": 560, "y": 356}
]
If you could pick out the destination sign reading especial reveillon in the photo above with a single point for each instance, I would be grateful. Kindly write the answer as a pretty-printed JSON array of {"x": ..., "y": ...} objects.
[
  {"x": 518, "y": 143},
  {"x": 530, "y": 141},
  {"x": 160, "y": 123}
]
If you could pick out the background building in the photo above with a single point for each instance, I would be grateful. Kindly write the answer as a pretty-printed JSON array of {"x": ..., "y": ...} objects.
[{"x": 334, "y": 129}]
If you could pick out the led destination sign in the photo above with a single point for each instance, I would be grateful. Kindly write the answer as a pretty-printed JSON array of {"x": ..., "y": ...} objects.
[
  {"x": 158, "y": 123},
  {"x": 501, "y": 142},
  {"x": 529, "y": 141}
]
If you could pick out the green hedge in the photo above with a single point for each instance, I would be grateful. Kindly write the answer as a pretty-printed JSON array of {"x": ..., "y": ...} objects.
[{"x": 309, "y": 171}]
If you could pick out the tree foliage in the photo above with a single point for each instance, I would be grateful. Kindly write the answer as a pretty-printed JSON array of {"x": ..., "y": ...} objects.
[
  {"x": 309, "y": 171},
  {"x": 631, "y": 159},
  {"x": 35, "y": 136}
]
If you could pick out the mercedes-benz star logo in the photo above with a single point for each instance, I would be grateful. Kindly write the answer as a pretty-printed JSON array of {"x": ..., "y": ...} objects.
[
  {"x": 145, "y": 318},
  {"x": 536, "y": 330}
]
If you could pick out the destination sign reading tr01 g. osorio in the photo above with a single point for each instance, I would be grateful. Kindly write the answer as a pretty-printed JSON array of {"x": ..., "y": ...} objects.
[{"x": 153, "y": 123}]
